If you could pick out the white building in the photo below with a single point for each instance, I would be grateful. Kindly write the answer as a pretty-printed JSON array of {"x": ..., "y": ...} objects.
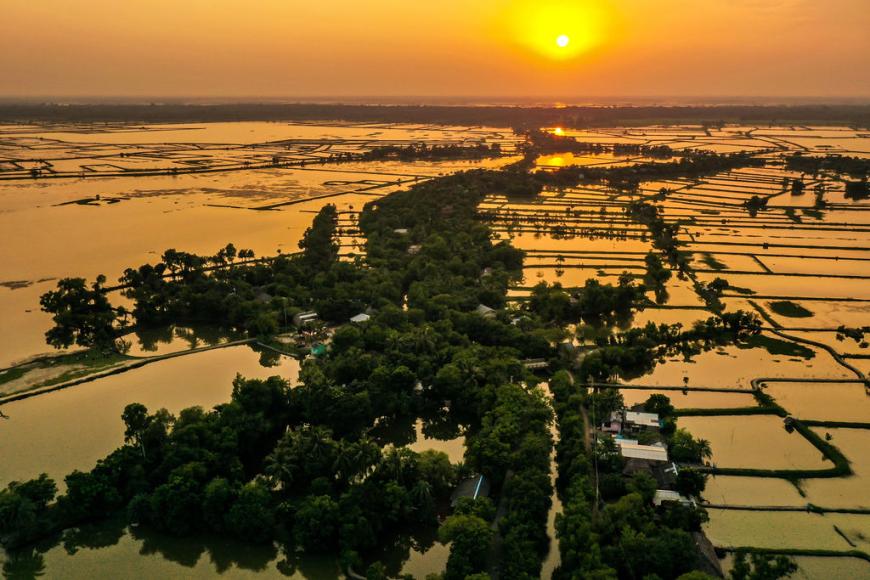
[
  {"x": 485, "y": 311},
  {"x": 631, "y": 449},
  {"x": 667, "y": 495},
  {"x": 304, "y": 318},
  {"x": 642, "y": 419},
  {"x": 361, "y": 317}
]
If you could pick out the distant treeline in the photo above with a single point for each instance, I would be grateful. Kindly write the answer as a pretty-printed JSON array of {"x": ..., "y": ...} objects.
[
  {"x": 546, "y": 142},
  {"x": 502, "y": 116},
  {"x": 852, "y": 166},
  {"x": 421, "y": 151}
]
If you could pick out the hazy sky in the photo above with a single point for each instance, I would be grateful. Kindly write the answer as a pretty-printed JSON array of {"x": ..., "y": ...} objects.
[{"x": 274, "y": 48}]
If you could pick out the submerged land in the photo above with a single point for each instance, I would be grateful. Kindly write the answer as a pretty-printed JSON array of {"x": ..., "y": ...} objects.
[{"x": 565, "y": 343}]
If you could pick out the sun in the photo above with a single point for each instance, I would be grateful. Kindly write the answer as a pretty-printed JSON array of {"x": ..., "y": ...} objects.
[{"x": 561, "y": 30}]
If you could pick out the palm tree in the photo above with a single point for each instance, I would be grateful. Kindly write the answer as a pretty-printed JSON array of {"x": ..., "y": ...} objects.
[
  {"x": 24, "y": 564},
  {"x": 704, "y": 449},
  {"x": 421, "y": 494}
]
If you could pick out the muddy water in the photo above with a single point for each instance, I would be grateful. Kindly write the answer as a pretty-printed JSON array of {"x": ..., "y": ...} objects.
[
  {"x": 54, "y": 242},
  {"x": 822, "y": 401},
  {"x": 690, "y": 399},
  {"x": 111, "y": 549},
  {"x": 73, "y": 428},
  {"x": 114, "y": 550},
  {"x": 751, "y": 491},
  {"x": 787, "y": 530},
  {"x": 813, "y": 567},
  {"x": 848, "y": 492},
  {"x": 246, "y": 132},
  {"x": 40, "y": 239},
  {"x": 736, "y": 366},
  {"x": 734, "y": 441}
]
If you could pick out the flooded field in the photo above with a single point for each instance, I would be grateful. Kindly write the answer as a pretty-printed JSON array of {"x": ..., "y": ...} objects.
[
  {"x": 93, "y": 223},
  {"x": 73, "y": 428},
  {"x": 801, "y": 261},
  {"x": 90, "y": 200}
]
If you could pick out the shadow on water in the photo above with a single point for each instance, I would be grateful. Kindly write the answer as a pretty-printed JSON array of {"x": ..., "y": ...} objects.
[
  {"x": 163, "y": 339},
  {"x": 223, "y": 554},
  {"x": 404, "y": 550},
  {"x": 776, "y": 346},
  {"x": 205, "y": 554},
  {"x": 432, "y": 423}
]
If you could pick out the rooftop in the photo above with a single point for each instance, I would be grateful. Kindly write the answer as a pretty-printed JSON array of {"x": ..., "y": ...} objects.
[{"x": 631, "y": 449}]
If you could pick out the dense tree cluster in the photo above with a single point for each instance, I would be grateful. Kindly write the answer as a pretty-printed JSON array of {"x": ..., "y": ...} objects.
[
  {"x": 594, "y": 303},
  {"x": 856, "y": 167},
  {"x": 435, "y": 152},
  {"x": 656, "y": 277},
  {"x": 664, "y": 235},
  {"x": 306, "y": 466},
  {"x": 857, "y": 190},
  {"x": 548, "y": 142},
  {"x": 82, "y": 316},
  {"x": 624, "y": 537},
  {"x": 302, "y": 465},
  {"x": 628, "y": 178}
]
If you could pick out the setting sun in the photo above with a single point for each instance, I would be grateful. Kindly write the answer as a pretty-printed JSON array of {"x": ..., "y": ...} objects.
[{"x": 560, "y": 29}]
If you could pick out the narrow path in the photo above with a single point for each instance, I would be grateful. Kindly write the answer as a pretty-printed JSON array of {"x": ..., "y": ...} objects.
[{"x": 762, "y": 264}]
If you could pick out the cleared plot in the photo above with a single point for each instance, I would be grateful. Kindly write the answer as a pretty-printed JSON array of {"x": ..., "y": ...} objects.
[
  {"x": 844, "y": 492},
  {"x": 690, "y": 399},
  {"x": 735, "y": 442},
  {"x": 751, "y": 491},
  {"x": 733, "y": 528}
]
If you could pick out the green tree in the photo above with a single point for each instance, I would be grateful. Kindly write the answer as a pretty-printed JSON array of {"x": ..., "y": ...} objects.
[
  {"x": 470, "y": 537},
  {"x": 318, "y": 245},
  {"x": 758, "y": 566},
  {"x": 251, "y": 517},
  {"x": 684, "y": 448},
  {"x": 690, "y": 482},
  {"x": 81, "y": 315},
  {"x": 315, "y": 526},
  {"x": 218, "y": 498}
]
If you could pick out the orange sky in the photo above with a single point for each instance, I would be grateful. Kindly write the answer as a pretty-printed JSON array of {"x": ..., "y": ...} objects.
[{"x": 291, "y": 48}]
